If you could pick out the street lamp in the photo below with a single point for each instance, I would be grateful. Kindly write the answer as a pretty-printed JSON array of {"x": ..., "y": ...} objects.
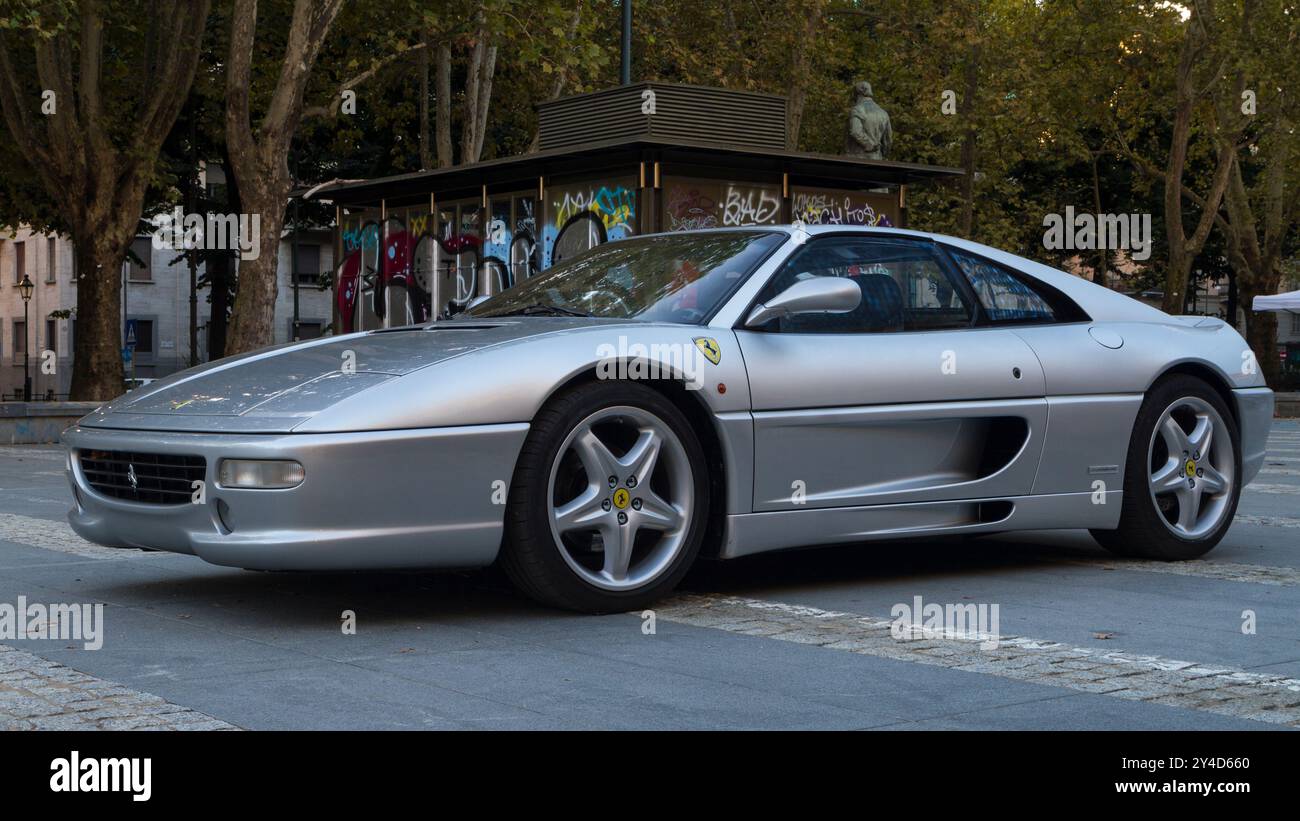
[{"x": 25, "y": 288}]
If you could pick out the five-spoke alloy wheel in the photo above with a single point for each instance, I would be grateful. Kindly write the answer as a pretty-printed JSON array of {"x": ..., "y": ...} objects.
[
  {"x": 1181, "y": 477},
  {"x": 1192, "y": 466},
  {"x": 619, "y": 510},
  {"x": 609, "y": 501}
]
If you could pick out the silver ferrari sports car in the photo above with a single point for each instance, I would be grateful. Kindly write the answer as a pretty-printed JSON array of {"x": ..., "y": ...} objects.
[{"x": 598, "y": 427}]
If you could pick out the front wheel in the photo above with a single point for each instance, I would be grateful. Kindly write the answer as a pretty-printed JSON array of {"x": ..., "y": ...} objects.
[
  {"x": 1181, "y": 482},
  {"x": 609, "y": 500}
]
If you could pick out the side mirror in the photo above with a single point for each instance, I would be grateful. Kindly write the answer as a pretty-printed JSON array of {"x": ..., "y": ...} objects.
[{"x": 817, "y": 295}]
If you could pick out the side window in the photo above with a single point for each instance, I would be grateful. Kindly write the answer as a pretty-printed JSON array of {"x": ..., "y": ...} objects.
[
  {"x": 1005, "y": 297},
  {"x": 904, "y": 286}
]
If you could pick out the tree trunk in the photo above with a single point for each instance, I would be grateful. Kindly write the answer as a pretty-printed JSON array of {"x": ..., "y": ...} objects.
[
  {"x": 478, "y": 92},
  {"x": 469, "y": 123},
  {"x": 484, "y": 103},
  {"x": 1261, "y": 327},
  {"x": 252, "y": 321},
  {"x": 1183, "y": 248},
  {"x": 259, "y": 158},
  {"x": 801, "y": 74},
  {"x": 1230, "y": 305},
  {"x": 96, "y": 344},
  {"x": 560, "y": 75},
  {"x": 192, "y": 182},
  {"x": 1103, "y": 255},
  {"x": 426, "y": 149},
  {"x": 219, "y": 279},
  {"x": 738, "y": 66},
  {"x": 221, "y": 270},
  {"x": 443, "y": 125},
  {"x": 1176, "y": 273},
  {"x": 968, "y": 145}
]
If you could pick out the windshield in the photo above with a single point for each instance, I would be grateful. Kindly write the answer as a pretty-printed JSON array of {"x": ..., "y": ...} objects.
[{"x": 665, "y": 278}]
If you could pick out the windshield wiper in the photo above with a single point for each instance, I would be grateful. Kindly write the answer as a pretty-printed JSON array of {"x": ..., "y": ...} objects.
[{"x": 544, "y": 309}]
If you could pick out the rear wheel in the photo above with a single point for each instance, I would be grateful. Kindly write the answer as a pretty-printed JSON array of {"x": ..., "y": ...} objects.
[
  {"x": 609, "y": 500},
  {"x": 1181, "y": 477}
]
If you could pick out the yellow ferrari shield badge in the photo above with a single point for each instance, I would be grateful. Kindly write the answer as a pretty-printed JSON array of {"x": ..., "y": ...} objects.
[{"x": 709, "y": 347}]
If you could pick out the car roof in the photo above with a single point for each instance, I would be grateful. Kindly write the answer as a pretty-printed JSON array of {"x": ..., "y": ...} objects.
[
  {"x": 1098, "y": 301},
  {"x": 788, "y": 228}
]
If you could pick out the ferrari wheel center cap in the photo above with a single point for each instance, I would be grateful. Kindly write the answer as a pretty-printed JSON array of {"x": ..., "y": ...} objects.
[
  {"x": 621, "y": 498},
  {"x": 1190, "y": 468}
]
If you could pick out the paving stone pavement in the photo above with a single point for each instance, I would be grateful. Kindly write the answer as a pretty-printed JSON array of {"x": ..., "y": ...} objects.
[
  {"x": 451, "y": 652},
  {"x": 37, "y": 694},
  {"x": 1256, "y": 696}
]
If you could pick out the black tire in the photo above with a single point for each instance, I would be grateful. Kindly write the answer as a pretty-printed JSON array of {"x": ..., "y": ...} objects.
[
  {"x": 1142, "y": 532},
  {"x": 530, "y": 556}
]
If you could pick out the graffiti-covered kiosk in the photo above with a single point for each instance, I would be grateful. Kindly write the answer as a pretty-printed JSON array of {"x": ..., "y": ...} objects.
[{"x": 419, "y": 246}]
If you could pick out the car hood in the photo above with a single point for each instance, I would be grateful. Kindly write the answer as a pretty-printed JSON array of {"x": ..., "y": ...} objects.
[{"x": 276, "y": 389}]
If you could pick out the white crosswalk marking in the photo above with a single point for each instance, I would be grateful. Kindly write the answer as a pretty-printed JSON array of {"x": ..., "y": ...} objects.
[
  {"x": 1263, "y": 487},
  {"x": 1266, "y": 521},
  {"x": 1222, "y": 571},
  {"x": 1269, "y": 470},
  {"x": 30, "y": 453}
]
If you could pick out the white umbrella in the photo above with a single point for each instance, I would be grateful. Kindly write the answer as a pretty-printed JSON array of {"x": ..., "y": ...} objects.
[{"x": 1290, "y": 301}]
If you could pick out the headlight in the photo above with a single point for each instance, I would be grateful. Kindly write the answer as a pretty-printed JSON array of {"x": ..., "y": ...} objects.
[{"x": 260, "y": 473}]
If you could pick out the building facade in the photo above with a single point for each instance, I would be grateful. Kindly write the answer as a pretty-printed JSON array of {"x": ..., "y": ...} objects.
[
  {"x": 155, "y": 307},
  {"x": 49, "y": 263}
]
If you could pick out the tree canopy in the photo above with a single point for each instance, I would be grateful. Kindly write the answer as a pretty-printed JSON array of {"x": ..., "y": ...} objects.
[{"x": 1182, "y": 110}]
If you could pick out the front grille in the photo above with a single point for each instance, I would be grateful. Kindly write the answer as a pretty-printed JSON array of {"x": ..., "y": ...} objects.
[{"x": 152, "y": 478}]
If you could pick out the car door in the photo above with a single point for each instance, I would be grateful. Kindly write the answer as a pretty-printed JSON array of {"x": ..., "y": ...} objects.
[{"x": 904, "y": 399}]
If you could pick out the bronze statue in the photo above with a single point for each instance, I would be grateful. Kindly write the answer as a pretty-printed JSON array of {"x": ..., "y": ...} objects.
[{"x": 869, "y": 134}]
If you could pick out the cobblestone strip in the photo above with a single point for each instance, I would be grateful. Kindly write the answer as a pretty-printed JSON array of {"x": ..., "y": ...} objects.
[
  {"x": 1256, "y": 696},
  {"x": 38, "y": 694},
  {"x": 56, "y": 535}
]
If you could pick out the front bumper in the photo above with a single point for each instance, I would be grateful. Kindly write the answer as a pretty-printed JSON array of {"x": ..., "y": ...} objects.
[
  {"x": 380, "y": 499},
  {"x": 1255, "y": 418}
]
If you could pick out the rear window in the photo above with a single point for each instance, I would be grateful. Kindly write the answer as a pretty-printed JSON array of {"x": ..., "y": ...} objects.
[{"x": 1008, "y": 297}]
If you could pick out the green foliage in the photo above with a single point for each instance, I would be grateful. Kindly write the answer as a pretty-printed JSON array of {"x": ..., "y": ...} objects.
[{"x": 1053, "y": 91}]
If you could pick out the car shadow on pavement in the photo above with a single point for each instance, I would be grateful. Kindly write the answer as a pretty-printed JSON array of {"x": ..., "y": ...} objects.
[
  {"x": 891, "y": 561},
  {"x": 299, "y": 599},
  {"x": 303, "y": 599}
]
